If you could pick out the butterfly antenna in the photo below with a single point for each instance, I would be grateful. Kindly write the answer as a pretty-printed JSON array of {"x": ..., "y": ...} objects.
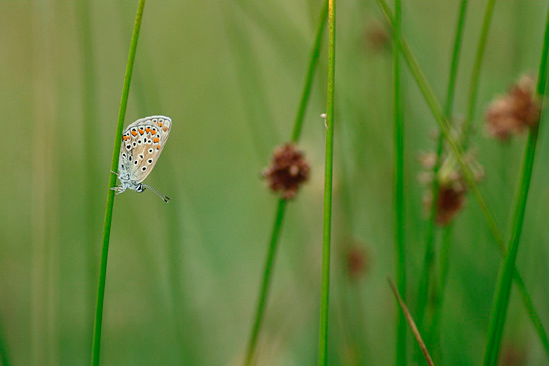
[{"x": 164, "y": 198}]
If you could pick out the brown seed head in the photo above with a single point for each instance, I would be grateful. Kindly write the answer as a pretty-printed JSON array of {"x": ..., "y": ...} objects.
[
  {"x": 377, "y": 37},
  {"x": 451, "y": 200},
  {"x": 358, "y": 262},
  {"x": 515, "y": 112},
  {"x": 287, "y": 171},
  {"x": 512, "y": 355},
  {"x": 452, "y": 187}
]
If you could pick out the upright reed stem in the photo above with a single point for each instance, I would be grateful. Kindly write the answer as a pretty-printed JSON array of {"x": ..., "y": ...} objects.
[
  {"x": 96, "y": 346},
  {"x": 328, "y": 170},
  {"x": 507, "y": 270},
  {"x": 281, "y": 208},
  {"x": 428, "y": 261},
  {"x": 400, "y": 247}
]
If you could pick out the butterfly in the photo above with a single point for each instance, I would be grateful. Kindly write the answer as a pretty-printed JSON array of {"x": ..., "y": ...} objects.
[{"x": 142, "y": 144}]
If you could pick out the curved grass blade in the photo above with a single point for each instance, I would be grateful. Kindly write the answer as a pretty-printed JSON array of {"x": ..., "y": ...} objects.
[
  {"x": 98, "y": 322},
  {"x": 411, "y": 323}
]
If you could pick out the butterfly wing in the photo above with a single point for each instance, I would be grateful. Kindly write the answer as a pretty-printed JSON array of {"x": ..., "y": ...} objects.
[{"x": 142, "y": 144}]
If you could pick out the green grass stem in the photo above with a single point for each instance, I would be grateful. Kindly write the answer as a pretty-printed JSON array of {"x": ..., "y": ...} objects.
[
  {"x": 507, "y": 270},
  {"x": 281, "y": 208},
  {"x": 4, "y": 354},
  {"x": 428, "y": 261},
  {"x": 328, "y": 171},
  {"x": 441, "y": 120},
  {"x": 477, "y": 66},
  {"x": 398, "y": 191},
  {"x": 96, "y": 345},
  {"x": 472, "y": 100}
]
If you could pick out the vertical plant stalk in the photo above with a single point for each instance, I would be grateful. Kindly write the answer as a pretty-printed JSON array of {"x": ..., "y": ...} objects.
[
  {"x": 96, "y": 345},
  {"x": 411, "y": 323},
  {"x": 507, "y": 270},
  {"x": 328, "y": 172},
  {"x": 89, "y": 118},
  {"x": 475, "y": 77},
  {"x": 4, "y": 354},
  {"x": 281, "y": 208},
  {"x": 428, "y": 261},
  {"x": 438, "y": 114},
  {"x": 400, "y": 247}
]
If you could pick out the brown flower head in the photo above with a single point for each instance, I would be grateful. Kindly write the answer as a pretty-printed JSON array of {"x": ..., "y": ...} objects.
[
  {"x": 287, "y": 171},
  {"x": 515, "y": 112},
  {"x": 452, "y": 188},
  {"x": 378, "y": 38},
  {"x": 451, "y": 199},
  {"x": 357, "y": 261},
  {"x": 512, "y": 355}
]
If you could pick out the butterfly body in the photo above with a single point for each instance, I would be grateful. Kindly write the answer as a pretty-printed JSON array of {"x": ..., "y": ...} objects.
[{"x": 142, "y": 144}]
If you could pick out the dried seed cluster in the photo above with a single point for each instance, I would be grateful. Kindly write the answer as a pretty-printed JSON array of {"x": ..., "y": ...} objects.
[
  {"x": 515, "y": 112},
  {"x": 452, "y": 189},
  {"x": 357, "y": 261},
  {"x": 287, "y": 171}
]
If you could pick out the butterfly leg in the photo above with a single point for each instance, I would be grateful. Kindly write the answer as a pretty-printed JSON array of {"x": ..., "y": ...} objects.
[{"x": 118, "y": 189}]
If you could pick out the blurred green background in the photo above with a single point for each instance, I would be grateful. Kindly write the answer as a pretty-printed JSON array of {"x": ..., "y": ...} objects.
[{"x": 183, "y": 278}]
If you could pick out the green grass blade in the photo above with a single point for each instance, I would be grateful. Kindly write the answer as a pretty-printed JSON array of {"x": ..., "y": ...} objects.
[
  {"x": 468, "y": 174},
  {"x": 328, "y": 172},
  {"x": 96, "y": 346},
  {"x": 398, "y": 188},
  {"x": 475, "y": 77},
  {"x": 429, "y": 256},
  {"x": 260, "y": 309},
  {"x": 281, "y": 208},
  {"x": 503, "y": 292},
  {"x": 4, "y": 354},
  {"x": 313, "y": 63}
]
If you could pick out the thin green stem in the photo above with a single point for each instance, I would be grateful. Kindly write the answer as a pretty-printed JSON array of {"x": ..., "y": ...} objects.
[
  {"x": 428, "y": 261},
  {"x": 507, "y": 270},
  {"x": 477, "y": 66},
  {"x": 277, "y": 227},
  {"x": 441, "y": 287},
  {"x": 468, "y": 174},
  {"x": 4, "y": 354},
  {"x": 400, "y": 247},
  {"x": 328, "y": 171},
  {"x": 96, "y": 346},
  {"x": 313, "y": 63},
  {"x": 281, "y": 208}
]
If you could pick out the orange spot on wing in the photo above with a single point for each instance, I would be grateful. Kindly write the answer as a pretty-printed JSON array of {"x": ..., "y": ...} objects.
[
  {"x": 141, "y": 131},
  {"x": 153, "y": 132},
  {"x": 125, "y": 137},
  {"x": 157, "y": 147},
  {"x": 165, "y": 128},
  {"x": 134, "y": 133},
  {"x": 160, "y": 124},
  {"x": 156, "y": 139},
  {"x": 148, "y": 130}
]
